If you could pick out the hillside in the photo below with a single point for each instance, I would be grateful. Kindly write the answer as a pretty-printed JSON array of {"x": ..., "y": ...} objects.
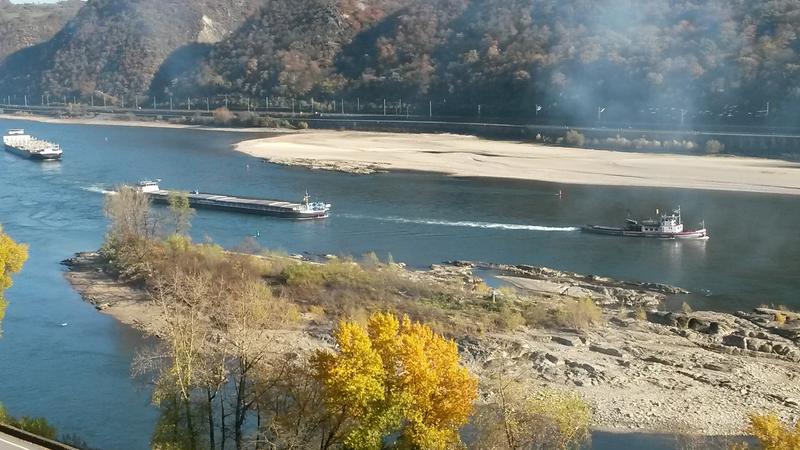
[
  {"x": 26, "y": 25},
  {"x": 721, "y": 61},
  {"x": 636, "y": 58},
  {"x": 116, "y": 47}
]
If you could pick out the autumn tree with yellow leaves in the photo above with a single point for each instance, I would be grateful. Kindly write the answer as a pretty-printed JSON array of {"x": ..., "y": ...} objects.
[
  {"x": 394, "y": 376},
  {"x": 772, "y": 434},
  {"x": 12, "y": 257}
]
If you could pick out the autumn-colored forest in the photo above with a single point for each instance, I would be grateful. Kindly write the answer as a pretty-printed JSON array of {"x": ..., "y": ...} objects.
[{"x": 719, "y": 60}]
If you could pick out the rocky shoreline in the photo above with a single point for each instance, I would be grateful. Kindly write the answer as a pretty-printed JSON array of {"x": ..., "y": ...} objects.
[
  {"x": 351, "y": 167},
  {"x": 656, "y": 371}
]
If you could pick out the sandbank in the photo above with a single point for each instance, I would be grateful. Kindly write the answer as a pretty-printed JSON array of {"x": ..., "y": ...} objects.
[{"x": 469, "y": 156}]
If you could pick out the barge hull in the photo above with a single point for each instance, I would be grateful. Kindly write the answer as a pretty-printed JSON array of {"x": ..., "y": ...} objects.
[
  {"x": 33, "y": 155},
  {"x": 612, "y": 231},
  {"x": 272, "y": 208}
]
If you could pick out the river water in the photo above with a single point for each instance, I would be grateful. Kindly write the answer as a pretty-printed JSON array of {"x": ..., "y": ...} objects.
[{"x": 78, "y": 375}]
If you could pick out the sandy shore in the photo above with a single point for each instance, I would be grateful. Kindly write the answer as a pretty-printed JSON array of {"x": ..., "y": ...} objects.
[
  {"x": 112, "y": 120},
  {"x": 469, "y": 156}
]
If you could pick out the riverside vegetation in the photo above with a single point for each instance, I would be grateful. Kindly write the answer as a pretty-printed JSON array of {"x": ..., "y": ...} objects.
[{"x": 270, "y": 351}]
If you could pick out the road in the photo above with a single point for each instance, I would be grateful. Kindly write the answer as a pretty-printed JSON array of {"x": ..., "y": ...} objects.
[{"x": 11, "y": 443}]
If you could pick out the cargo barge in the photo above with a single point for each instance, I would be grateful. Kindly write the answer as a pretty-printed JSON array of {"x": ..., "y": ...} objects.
[
  {"x": 666, "y": 226},
  {"x": 27, "y": 146},
  {"x": 303, "y": 210}
]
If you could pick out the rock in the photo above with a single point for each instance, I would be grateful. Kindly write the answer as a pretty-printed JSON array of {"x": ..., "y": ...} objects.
[
  {"x": 658, "y": 360},
  {"x": 697, "y": 325},
  {"x": 569, "y": 341},
  {"x": 610, "y": 351},
  {"x": 734, "y": 340},
  {"x": 662, "y": 318},
  {"x": 583, "y": 366},
  {"x": 755, "y": 344},
  {"x": 717, "y": 367},
  {"x": 553, "y": 358},
  {"x": 765, "y": 348},
  {"x": 781, "y": 349}
]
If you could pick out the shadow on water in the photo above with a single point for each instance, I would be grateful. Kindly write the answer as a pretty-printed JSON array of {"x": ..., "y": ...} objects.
[{"x": 78, "y": 376}]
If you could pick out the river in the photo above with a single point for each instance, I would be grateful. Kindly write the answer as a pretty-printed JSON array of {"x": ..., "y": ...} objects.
[{"x": 78, "y": 375}]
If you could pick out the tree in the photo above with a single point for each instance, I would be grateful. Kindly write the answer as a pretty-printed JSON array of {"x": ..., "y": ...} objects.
[
  {"x": 772, "y": 434},
  {"x": 394, "y": 376},
  {"x": 524, "y": 418},
  {"x": 12, "y": 258},
  {"x": 181, "y": 211},
  {"x": 131, "y": 226},
  {"x": 128, "y": 211},
  {"x": 223, "y": 116}
]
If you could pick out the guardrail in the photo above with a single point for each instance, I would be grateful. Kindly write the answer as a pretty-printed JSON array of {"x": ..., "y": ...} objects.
[{"x": 33, "y": 439}]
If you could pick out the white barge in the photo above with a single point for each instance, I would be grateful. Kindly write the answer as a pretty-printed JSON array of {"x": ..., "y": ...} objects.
[
  {"x": 304, "y": 210},
  {"x": 27, "y": 146},
  {"x": 666, "y": 226}
]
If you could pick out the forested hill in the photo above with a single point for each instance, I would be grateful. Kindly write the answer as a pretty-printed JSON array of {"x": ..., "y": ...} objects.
[
  {"x": 26, "y": 25},
  {"x": 633, "y": 58},
  {"x": 116, "y": 47}
]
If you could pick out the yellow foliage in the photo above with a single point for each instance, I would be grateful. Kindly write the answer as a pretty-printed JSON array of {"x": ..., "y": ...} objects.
[
  {"x": 397, "y": 376},
  {"x": 773, "y": 434},
  {"x": 354, "y": 376},
  {"x": 780, "y": 318},
  {"x": 12, "y": 258}
]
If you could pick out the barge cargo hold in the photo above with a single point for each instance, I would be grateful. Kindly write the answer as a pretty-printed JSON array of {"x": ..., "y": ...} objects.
[{"x": 303, "y": 210}]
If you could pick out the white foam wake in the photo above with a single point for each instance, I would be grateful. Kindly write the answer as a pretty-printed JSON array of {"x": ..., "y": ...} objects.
[
  {"x": 98, "y": 189},
  {"x": 466, "y": 224}
]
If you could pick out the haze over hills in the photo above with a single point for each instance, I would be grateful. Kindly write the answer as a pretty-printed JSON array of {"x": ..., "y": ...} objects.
[{"x": 717, "y": 58}]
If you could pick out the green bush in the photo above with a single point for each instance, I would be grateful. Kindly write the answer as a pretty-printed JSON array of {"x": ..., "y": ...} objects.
[
  {"x": 36, "y": 425},
  {"x": 580, "y": 314},
  {"x": 509, "y": 319}
]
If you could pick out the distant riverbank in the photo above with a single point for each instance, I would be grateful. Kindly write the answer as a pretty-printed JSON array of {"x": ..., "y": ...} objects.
[
  {"x": 116, "y": 120},
  {"x": 469, "y": 156}
]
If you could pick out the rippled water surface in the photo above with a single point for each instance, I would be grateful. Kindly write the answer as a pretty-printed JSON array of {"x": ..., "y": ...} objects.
[{"x": 78, "y": 375}]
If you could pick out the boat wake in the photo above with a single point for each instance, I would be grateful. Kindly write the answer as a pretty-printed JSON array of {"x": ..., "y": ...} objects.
[
  {"x": 465, "y": 224},
  {"x": 98, "y": 189}
]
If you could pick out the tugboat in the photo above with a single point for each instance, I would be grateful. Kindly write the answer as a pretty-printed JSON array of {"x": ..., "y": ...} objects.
[
  {"x": 27, "y": 146},
  {"x": 305, "y": 210},
  {"x": 666, "y": 226}
]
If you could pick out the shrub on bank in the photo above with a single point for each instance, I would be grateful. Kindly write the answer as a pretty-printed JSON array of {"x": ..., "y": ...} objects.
[
  {"x": 714, "y": 147},
  {"x": 580, "y": 314},
  {"x": 34, "y": 425},
  {"x": 575, "y": 138}
]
